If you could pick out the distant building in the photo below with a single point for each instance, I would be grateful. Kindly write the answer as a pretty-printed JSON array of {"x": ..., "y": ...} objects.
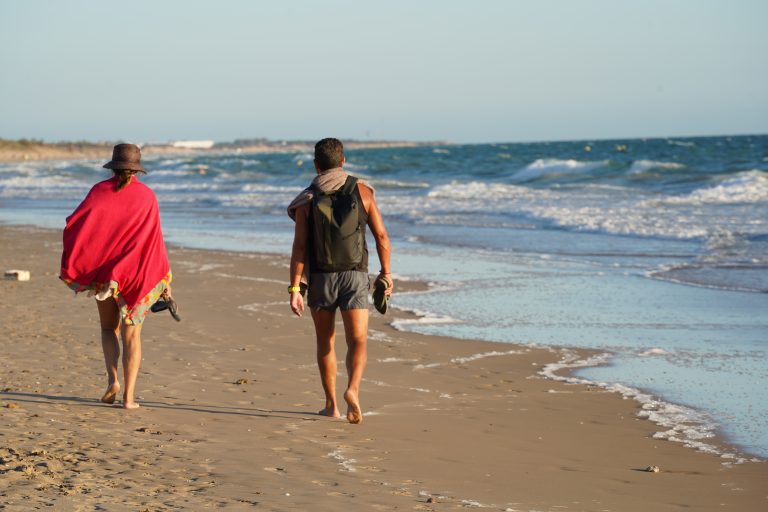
[{"x": 193, "y": 144}]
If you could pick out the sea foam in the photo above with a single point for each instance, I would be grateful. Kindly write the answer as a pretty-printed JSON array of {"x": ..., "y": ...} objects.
[
  {"x": 423, "y": 317},
  {"x": 681, "y": 424},
  {"x": 746, "y": 187},
  {"x": 483, "y": 355}
]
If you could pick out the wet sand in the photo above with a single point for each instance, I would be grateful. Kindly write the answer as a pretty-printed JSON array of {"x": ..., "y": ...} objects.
[{"x": 229, "y": 399}]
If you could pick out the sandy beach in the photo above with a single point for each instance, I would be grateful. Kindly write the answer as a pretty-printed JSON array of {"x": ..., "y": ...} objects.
[{"x": 229, "y": 399}]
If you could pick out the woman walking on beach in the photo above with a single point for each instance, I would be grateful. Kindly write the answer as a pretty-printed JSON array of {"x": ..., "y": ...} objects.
[{"x": 114, "y": 250}]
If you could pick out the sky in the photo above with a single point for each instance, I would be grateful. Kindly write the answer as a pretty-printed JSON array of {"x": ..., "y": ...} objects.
[{"x": 459, "y": 71}]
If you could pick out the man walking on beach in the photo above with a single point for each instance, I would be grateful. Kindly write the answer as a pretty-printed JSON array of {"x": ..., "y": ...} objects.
[{"x": 330, "y": 255}]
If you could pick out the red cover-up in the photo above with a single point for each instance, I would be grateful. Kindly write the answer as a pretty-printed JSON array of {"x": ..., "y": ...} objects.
[{"x": 113, "y": 238}]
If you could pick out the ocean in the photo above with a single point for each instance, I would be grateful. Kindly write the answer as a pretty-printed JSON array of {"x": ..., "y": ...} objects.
[{"x": 652, "y": 252}]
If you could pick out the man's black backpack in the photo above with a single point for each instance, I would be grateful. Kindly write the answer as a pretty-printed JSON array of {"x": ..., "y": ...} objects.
[{"x": 337, "y": 239}]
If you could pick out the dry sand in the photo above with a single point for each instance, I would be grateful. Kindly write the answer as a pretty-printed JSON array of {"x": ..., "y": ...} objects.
[{"x": 229, "y": 397}]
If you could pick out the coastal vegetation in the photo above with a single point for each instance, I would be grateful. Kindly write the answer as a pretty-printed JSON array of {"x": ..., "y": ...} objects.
[{"x": 36, "y": 149}]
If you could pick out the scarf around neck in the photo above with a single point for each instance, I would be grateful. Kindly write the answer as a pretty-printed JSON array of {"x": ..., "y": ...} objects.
[{"x": 326, "y": 181}]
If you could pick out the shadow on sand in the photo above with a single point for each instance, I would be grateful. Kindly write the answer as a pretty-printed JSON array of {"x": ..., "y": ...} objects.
[{"x": 39, "y": 398}]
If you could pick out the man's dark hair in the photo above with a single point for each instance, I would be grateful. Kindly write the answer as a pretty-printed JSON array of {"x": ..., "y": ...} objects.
[{"x": 329, "y": 153}]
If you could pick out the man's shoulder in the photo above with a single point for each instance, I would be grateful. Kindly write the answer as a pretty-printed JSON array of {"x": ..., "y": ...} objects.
[
  {"x": 365, "y": 189},
  {"x": 366, "y": 194}
]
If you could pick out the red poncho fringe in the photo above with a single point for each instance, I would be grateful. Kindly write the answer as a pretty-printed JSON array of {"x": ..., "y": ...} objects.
[{"x": 113, "y": 238}]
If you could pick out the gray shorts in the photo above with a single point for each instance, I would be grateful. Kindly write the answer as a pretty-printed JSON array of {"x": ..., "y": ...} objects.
[{"x": 345, "y": 290}]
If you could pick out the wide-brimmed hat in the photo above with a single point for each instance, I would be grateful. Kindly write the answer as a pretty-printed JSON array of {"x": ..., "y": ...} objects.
[{"x": 126, "y": 156}]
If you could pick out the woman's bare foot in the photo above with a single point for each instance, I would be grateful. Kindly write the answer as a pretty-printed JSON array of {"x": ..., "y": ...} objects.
[
  {"x": 129, "y": 403},
  {"x": 354, "y": 413},
  {"x": 331, "y": 412},
  {"x": 111, "y": 393}
]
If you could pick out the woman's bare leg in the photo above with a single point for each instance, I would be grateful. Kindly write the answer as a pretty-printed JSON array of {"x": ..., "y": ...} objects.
[
  {"x": 131, "y": 362},
  {"x": 109, "y": 317}
]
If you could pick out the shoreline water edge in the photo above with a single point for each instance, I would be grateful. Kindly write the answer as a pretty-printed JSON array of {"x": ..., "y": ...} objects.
[{"x": 427, "y": 359}]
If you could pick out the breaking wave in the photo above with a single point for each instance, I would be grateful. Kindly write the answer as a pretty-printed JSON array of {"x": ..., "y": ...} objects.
[
  {"x": 550, "y": 167},
  {"x": 644, "y": 166},
  {"x": 746, "y": 187}
]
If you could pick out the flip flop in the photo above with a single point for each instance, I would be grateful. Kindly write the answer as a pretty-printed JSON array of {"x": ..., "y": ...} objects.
[
  {"x": 169, "y": 304},
  {"x": 380, "y": 301}
]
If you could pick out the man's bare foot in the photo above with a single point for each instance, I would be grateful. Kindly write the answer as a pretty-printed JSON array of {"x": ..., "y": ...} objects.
[
  {"x": 111, "y": 393},
  {"x": 331, "y": 412},
  {"x": 354, "y": 413}
]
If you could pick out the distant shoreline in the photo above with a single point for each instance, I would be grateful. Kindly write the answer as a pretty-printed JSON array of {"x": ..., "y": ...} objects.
[{"x": 32, "y": 150}]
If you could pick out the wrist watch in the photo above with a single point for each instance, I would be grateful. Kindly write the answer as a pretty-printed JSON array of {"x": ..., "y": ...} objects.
[{"x": 292, "y": 289}]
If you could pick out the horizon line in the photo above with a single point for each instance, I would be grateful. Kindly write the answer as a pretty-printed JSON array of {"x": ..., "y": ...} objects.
[{"x": 268, "y": 140}]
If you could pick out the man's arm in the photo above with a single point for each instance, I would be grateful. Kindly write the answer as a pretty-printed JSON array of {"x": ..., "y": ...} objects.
[
  {"x": 376, "y": 223},
  {"x": 298, "y": 257}
]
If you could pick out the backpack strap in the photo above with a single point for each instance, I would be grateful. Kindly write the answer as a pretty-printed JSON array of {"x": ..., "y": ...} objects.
[{"x": 349, "y": 185}]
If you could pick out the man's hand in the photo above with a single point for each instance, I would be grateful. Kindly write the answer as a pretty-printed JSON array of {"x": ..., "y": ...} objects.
[
  {"x": 297, "y": 303},
  {"x": 387, "y": 277}
]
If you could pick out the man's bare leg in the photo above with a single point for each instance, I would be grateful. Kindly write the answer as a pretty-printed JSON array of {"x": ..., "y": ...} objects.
[
  {"x": 356, "y": 334},
  {"x": 131, "y": 363},
  {"x": 325, "y": 333},
  {"x": 109, "y": 317}
]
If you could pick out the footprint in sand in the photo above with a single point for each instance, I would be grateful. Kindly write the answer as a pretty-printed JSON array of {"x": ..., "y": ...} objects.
[{"x": 321, "y": 483}]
